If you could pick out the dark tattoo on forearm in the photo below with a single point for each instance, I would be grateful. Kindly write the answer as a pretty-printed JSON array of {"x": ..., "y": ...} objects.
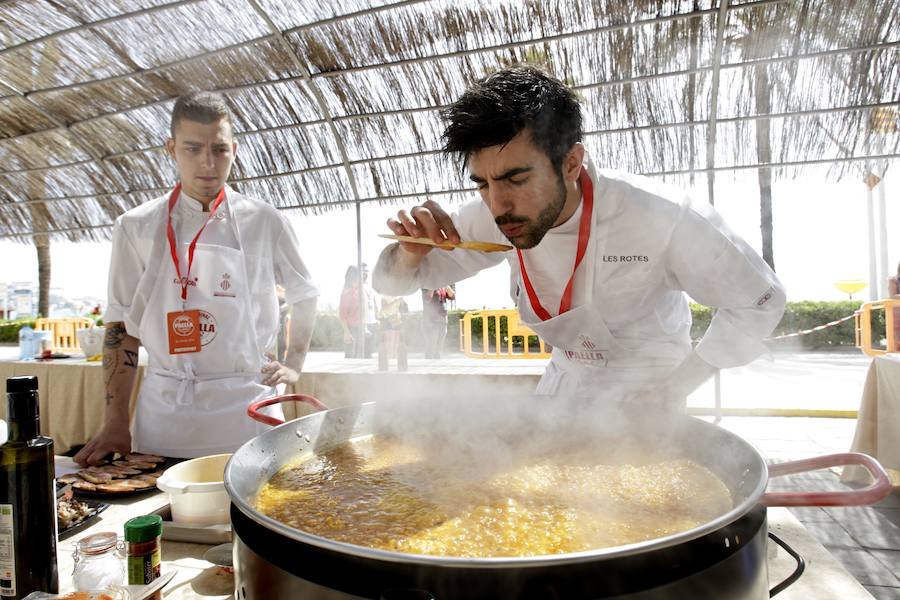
[
  {"x": 115, "y": 356},
  {"x": 115, "y": 334},
  {"x": 110, "y": 366}
]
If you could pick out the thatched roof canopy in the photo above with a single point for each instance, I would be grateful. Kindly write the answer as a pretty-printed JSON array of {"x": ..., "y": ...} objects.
[{"x": 337, "y": 102}]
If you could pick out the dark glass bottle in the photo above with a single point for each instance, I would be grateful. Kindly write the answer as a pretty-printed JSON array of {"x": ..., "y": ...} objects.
[{"x": 27, "y": 498}]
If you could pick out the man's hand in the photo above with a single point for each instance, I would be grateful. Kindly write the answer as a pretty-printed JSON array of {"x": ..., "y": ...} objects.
[
  {"x": 426, "y": 220},
  {"x": 114, "y": 437},
  {"x": 279, "y": 373},
  {"x": 395, "y": 272}
]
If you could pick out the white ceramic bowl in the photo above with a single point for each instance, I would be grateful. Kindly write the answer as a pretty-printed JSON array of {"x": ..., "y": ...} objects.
[{"x": 196, "y": 490}]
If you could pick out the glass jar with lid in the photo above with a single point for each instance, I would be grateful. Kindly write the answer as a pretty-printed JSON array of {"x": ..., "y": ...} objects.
[{"x": 99, "y": 562}]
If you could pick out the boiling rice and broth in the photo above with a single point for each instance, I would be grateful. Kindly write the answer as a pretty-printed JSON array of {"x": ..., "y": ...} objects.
[{"x": 395, "y": 494}]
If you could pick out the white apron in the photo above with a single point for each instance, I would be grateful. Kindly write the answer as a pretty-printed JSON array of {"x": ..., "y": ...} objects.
[
  {"x": 195, "y": 404},
  {"x": 587, "y": 360}
]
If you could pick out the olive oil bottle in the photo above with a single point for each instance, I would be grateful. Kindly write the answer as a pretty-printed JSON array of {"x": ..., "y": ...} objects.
[{"x": 27, "y": 498}]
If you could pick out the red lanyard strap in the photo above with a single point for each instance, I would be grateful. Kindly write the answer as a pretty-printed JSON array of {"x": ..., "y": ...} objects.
[
  {"x": 173, "y": 199},
  {"x": 584, "y": 235}
]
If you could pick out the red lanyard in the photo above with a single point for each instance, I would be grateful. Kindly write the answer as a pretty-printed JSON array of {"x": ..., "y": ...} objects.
[
  {"x": 584, "y": 234},
  {"x": 173, "y": 199}
]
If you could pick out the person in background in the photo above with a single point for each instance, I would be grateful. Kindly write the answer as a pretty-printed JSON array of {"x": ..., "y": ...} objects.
[
  {"x": 348, "y": 313},
  {"x": 434, "y": 318},
  {"x": 357, "y": 345},
  {"x": 894, "y": 294},
  {"x": 192, "y": 278},
  {"x": 391, "y": 341}
]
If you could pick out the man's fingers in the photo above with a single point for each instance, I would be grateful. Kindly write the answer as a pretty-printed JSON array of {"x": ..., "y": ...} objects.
[
  {"x": 406, "y": 226},
  {"x": 81, "y": 457},
  {"x": 397, "y": 227},
  {"x": 95, "y": 458},
  {"x": 409, "y": 224},
  {"x": 98, "y": 455},
  {"x": 426, "y": 222},
  {"x": 428, "y": 219},
  {"x": 443, "y": 220}
]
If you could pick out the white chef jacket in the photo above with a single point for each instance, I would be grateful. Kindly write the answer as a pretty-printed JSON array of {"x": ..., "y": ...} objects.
[
  {"x": 649, "y": 246},
  {"x": 269, "y": 245}
]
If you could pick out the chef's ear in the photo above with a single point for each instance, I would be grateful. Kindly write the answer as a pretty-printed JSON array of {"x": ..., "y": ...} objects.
[
  {"x": 572, "y": 162},
  {"x": 234, "y": 148},
  {"x": 170, "y": 147}
]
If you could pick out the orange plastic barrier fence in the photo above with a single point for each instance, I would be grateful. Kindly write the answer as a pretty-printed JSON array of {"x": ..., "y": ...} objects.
[
  {"x": 864, "y": 333},
  {"x": 496, "y": 344},
  {"x": 64, "y": 339}
]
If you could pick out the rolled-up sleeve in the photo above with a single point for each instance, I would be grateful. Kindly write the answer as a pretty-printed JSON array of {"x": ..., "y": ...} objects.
[
  {"x": 720, "y": 270},
  {"x": 125, "y": 270},
  {"x": 290, "y": 270}
]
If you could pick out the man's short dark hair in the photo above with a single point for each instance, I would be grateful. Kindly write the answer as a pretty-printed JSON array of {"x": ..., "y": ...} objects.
[
  {"x": 202, "y": 107},
  {"x": 497, "y": 108}
]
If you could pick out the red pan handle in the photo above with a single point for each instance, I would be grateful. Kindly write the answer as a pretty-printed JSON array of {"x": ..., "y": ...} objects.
[
  {"x": 253, "y": 409},
  {"x": 868, "y": 495}
]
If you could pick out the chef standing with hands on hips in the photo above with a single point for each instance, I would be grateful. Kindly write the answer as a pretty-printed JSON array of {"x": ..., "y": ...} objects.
[
  {"x": 601, "y": 259},
  {"x": 192, "y": 278}
]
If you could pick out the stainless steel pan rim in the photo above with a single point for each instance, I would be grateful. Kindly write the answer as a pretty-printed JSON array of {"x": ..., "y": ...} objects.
[{"x": 290, "y": 429}]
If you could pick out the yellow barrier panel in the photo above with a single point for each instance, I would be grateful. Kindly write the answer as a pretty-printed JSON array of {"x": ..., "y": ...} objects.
[
  {"x": 514, "y": 329},
  {"x": 891, "y": 308},
  {"x": 64, "y": 339}
]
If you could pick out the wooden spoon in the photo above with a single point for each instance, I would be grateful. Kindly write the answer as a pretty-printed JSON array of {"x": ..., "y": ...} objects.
[{"x": 479, "y": 246}]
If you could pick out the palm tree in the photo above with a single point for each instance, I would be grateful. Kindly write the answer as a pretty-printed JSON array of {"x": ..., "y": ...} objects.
[
  {"x": 39, "y": 222},
  {"x": 42, "y": 243},
  {"x": 760, "y": 33}
]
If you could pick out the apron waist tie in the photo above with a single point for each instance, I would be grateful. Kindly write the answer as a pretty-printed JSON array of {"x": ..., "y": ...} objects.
[{"x": 187, "y": 378}]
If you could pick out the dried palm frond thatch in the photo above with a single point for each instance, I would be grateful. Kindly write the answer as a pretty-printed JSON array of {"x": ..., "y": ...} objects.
[{"x": 337, "y": 103}]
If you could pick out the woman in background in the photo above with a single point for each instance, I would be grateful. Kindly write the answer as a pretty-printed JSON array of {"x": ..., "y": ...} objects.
[{"x": 356, "y": 346}]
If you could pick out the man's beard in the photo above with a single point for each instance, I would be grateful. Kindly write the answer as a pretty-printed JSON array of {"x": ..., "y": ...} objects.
[{"x": 535, "y": 231}]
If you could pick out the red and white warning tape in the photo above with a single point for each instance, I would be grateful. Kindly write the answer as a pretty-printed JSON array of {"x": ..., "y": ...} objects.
[{"x": 805, "y": 331}]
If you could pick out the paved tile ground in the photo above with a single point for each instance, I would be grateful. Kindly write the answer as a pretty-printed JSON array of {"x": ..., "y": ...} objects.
[{"x": 866, "y": 540}]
